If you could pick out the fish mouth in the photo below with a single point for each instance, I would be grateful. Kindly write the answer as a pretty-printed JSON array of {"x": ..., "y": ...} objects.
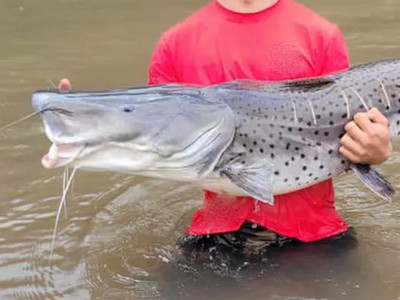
[{"x": 61, "y": 155}]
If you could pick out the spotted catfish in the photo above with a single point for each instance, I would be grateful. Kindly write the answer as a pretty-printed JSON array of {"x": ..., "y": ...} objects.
[{"x": 242, "y": 138}]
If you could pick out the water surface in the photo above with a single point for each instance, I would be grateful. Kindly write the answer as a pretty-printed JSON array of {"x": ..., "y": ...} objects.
[{"x": 119, "y": 239}]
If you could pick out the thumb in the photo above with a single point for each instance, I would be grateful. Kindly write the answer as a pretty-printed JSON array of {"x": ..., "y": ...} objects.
[{"x": 64, "y": 85}]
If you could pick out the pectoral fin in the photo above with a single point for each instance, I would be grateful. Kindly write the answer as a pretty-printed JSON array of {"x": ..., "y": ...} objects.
[
  {"x": 254, "y": 179},
  {"x": 374, "y": 180}
]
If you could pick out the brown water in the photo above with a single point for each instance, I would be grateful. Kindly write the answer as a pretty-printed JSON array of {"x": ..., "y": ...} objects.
[{"x": 119, "y": 238}]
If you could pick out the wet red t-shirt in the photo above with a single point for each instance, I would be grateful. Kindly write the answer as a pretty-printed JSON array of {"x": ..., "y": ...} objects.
[{"x": 285, "y": 41}]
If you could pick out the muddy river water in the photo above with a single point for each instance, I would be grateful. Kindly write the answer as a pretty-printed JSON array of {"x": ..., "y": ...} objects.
[{"x": 119, "y": 238}]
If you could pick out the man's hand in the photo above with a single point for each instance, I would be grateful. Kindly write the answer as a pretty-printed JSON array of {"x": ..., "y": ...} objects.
[
  {"x": 367, "y": 139},
  {"x": 64, "y": 85}
]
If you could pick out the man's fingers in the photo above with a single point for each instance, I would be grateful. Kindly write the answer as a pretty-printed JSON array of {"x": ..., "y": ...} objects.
[
  {"x": 349, "y": 154},
  {"x": 355, "y": 132},
  {"x": 377, "y": 117},
  {"x": 64, "y": 85},
  {"x": 347, "y": 142}
]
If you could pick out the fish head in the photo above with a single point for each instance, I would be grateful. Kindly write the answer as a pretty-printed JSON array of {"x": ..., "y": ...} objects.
[{"x": 134, "y": 130}]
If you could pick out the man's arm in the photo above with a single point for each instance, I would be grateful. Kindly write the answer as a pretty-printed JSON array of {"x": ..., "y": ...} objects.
[
  {"x": 367, "y": 139},
  {"x": 162, "y": 69}
]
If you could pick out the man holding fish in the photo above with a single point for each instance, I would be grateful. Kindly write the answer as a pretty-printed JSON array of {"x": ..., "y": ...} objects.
[{"x": 271, "y": 40}]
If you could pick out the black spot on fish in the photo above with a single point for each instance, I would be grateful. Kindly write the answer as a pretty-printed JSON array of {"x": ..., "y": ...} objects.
[
  {"x": 285, "y": 180},
  {"x": 331, "y": 114},
  {"x": 263, "y": 140},
  {"x": 245, "y": 135},
  {"x": 243, "y": 162},
  {"x": 326, "y": 133},
  {"x": 297, "y": 148},
  {"x": 244, "y": 145},
  {"x": 251, "y": 150},
  {"x": 318, "y": 143},
  {"x": 318, "y": 117},
  {"x": 255, "y": 143},
  {"x": 344, "y": 116},
  {"x": 272, "y": 146},
  {"x": 308, "y": 123},
  {"x": 300, "y": 129},
  {"x": 272, "y": 155},
  {"x": 343, "y": 162},
  {"x": 286, "y": 163},
  {"x": 316, "y": 132},
  {"x": 310, "y": 175},
  {"x": 304, "y": 168},
  {"x": 271, "y": 135},
  {"x": 292, "y": 158},
  {"x": 331, "y": 123},
  {"x": 330, "y": 151},
  {"x": 287, "y": 146},
  {"x": 261, "y": 150},
  {"x": 297, "y": 178},
  {"x": 276, "y": 172},
  {"x": 289, "y": 129},
  {"x": 321, "y": 167},
  {"x": 315, "y": 157},
  {"x": 302, "y": 155}
]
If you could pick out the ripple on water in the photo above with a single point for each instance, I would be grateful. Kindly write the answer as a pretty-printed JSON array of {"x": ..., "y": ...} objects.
[{"x": 123, "y": 249}]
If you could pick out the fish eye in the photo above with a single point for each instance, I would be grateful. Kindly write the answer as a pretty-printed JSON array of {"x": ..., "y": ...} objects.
[{"x": 128, "y": 109}]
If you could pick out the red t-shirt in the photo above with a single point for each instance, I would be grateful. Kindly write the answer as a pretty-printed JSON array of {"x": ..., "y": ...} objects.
[{"x": 285, "y": 41}]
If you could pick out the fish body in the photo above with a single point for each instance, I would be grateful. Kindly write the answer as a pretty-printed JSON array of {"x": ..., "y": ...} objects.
[{"x": 251, "y": 138}]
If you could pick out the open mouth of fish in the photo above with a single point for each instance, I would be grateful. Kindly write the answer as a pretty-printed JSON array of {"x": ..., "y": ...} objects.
[{"x": 61, "y": 154}]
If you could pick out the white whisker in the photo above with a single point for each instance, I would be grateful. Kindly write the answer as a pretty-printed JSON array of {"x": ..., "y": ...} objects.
[
  {"x": 65, "y": 180},
  {"x": 64, "y": 195},
  {"x": 360, "y": 98},
  {"x": 20, "y": 120},
  {"x": 312, "y": 112},
  {"x": 52, "y": 83},
  {"x": 385, "y": 93},
  {"x": 346, "y": 100}
]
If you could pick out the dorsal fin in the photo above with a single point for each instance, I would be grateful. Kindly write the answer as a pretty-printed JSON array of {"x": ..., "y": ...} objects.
[
  {"x": 309, "y": 83},
  {"x": 274, "y": 86}
]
